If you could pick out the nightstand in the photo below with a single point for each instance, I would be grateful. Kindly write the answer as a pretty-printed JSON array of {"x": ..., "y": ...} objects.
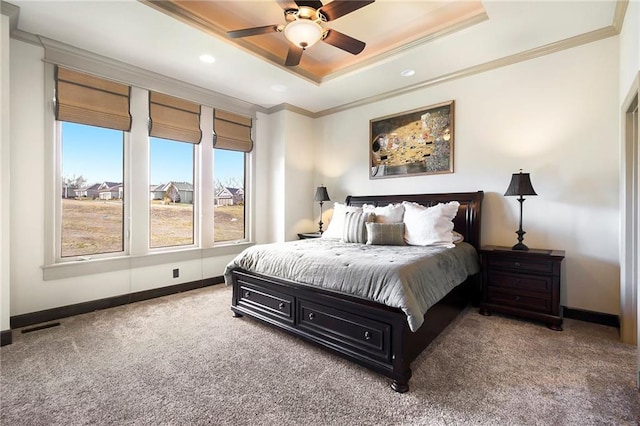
[
  {"x": 522, "y": 283},
  {"x": 305, "y": 235}
]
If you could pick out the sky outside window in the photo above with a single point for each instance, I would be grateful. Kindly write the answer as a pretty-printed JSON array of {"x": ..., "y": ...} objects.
[{"x": 84, "y": 144}]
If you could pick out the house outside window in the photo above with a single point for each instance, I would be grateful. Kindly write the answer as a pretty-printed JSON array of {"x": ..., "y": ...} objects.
[
  {"x": 92, "y": 213},
  {"x": 174, "y": 133},
  {"x": 232, "y": 142},
  {"x": 229, "y": 211},
  {"x": 171, "y": 208}
]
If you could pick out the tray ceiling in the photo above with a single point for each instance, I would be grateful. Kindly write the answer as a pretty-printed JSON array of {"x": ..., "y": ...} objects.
[{"x": 387, "y": 27}]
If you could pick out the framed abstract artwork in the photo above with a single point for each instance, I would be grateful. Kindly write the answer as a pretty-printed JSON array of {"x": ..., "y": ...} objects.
[{"x": 417, "y": 142}]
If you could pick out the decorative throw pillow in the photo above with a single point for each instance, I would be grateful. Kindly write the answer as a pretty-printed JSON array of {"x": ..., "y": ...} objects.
[
  {"x": 336, "y": 224},
  {"x": 425, "y": 226},
  {"x": 388, "y": 234},
  {"x": 391, "y": 213},
  {"x": 354, "y": 227}
]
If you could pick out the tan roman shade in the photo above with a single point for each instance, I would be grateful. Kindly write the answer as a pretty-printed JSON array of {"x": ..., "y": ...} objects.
[
  {"x": 174, "y": 118},
  {"x": 87, "y": 99},
  {"x": 232, "y": 132}
]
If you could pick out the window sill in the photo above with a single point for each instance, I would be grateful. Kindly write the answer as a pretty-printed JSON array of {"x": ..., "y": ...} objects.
[{"x": 97, "y": 266}]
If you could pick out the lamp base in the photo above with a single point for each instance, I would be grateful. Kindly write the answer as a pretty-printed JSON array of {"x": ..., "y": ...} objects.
[
  {"x": 520, "y": 246},
  {"x": 520, "y": 232}
]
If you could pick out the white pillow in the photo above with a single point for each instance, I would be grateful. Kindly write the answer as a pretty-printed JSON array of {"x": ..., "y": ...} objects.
[
  {"x": 425, "y": 226},
  {"x": 336, "y": 224},
  {"x": 391, "y": 213}
]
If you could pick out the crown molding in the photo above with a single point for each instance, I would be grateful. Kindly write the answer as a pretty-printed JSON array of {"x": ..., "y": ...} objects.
[
  {"x": 289, "y": 107},
  {"x": 463, "y": 24},
  {"x": 13, "y": 12},
  {"x": 569, "y": 43},
  {"x": 72, "y": 57},
  {"x": 526, "y": 55},
  {"x": 619, "y": 14},
  {"x": 26, "y": 37}
]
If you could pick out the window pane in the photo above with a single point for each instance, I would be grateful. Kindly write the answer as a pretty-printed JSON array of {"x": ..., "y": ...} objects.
[
  {"x": 229, "y": 213},
  {"x": 92, "y": 192},
  {"x": 171, "y": 193}
]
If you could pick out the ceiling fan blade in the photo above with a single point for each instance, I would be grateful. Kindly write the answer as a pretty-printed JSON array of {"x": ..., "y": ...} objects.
[
  {"x": 309, "y": 3},
  {"x": 344, "y": 42},
  {"x": 294, "y": 55},
  {"x": 253, "y": 31},
  {"x": 338, "y": 8},
  {"x": 287, "y": 5}
]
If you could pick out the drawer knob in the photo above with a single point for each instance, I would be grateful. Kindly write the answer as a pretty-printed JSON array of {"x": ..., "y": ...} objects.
[
  {"x": 516, "y": 264},
  {"x": 367, "y": 335},
  {"x": 281, "y": 306},
  {"x": 517, "y": 298},
  {"x": 247, "y": 294},
  {"x": 311, "y": 315}
]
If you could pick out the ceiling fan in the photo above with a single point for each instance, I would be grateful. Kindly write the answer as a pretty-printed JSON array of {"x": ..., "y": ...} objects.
[{"x": 303, "y": 26}]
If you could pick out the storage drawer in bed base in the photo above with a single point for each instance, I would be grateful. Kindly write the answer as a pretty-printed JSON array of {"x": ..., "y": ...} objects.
[
  {"x": 267, "y": 302},
  {"x": 345, "y": 330}
]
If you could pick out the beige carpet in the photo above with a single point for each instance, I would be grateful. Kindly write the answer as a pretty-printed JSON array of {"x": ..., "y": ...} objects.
[{"x": 184, "y": 360}]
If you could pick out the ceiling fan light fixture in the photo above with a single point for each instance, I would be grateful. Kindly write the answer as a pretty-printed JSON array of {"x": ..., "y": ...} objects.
[{"x": 303, "y": 33}]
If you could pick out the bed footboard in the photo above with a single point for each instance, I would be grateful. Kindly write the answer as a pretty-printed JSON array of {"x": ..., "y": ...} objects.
[{"x": 370, "y": 334}]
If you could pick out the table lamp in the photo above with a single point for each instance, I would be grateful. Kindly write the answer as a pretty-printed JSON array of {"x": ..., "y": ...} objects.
[
  {"x": 321, "y": 197},
  {"x": 520, "y": 185}
]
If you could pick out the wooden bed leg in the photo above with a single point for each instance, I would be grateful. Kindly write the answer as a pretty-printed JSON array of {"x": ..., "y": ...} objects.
[
  {"x": 236, "y": 315},
  {"x": 400, "y": 386}
]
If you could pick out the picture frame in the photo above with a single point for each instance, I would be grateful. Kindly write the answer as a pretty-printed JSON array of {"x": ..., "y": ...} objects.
[{"x": 412, "y": 143}]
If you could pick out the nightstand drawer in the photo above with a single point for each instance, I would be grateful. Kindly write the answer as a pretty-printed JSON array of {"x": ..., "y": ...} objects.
[
  {"x": 501, "y": 296},
  {"x": 542, "y": 284},
  {"x": 511, "y": 264}
]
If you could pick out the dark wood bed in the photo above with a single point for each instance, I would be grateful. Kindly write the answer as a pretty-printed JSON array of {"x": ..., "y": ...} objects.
[{"x": 368, "y": 333}]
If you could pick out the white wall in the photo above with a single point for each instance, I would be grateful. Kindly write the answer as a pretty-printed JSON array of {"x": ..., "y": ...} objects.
[
  {"x": 286, "y": 164},
  {"x": 5, "y": 166},
  {"x": 555, "y": 117},
  {"x": 301, "y": 138}
]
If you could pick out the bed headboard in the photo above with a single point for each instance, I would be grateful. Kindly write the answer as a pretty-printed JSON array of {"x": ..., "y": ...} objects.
[{"x": 466, "y": 222}]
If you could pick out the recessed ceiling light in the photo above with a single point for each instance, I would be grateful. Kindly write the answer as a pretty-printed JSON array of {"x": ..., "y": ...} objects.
[
  {"x": 207, "y": 59},
  {"x": 279, "y": 88},
  {"x": 407, "y": 73}
]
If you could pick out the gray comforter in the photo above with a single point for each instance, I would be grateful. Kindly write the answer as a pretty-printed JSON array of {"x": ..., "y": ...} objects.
[{"x": 407, "y": 277}]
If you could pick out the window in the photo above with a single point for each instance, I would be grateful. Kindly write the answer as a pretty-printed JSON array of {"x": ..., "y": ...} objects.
[
  {"x": 174, "y": 131},
  {"x": 229, "y": 184},
  {"x": 92, "y": 217},
  {"x": 120, "y": 192},
  {"x": 92, "y": 115},
  {"x": 231, "y": 143},
  {"x": 171, "y": 213}
]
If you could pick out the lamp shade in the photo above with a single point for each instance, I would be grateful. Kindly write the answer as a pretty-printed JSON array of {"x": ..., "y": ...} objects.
[
  {"x": 321, "y": 194},
  {"x": 520, "y": 185},
  {"x": 303, "y": 33}
]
